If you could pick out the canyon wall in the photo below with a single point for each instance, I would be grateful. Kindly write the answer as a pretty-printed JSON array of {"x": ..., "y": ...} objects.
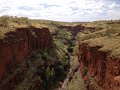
[
  {"x": 18, "y": 45},
  {"x": 79, "y": 28},
  {"x": 73, "y": 29},
  {"x": 98, "y": 69}
]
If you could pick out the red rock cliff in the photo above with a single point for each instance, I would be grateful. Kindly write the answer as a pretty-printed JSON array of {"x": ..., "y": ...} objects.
[
  {"x": 78, "y": 28},
  {"x": 73, "y": 29},
  {"x": 104, "y": 70},
  {"x": 17, "y": 45}
]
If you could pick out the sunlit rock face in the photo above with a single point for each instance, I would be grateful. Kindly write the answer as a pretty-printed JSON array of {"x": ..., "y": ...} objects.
[
  {"x": 98, "y": 65},
  {"x": 18, "y": 45}
]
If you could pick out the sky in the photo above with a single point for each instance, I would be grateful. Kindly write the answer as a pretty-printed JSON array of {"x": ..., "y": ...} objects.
[{"x": 62, "y": 10}]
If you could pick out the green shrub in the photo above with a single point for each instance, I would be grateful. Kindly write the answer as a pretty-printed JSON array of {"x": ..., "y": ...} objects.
[
  {"x": 50, "y": 75},
  {"x": 45, "y": 56},
  {"x": 85, "y": 71},
  {"x": 70, "y": 49}
]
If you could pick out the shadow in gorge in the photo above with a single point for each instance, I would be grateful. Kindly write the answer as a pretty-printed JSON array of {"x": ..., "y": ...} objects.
[
  {"x": 52, "y": 76},
  {"x": 53, "y": 72},
  {"x": 56, "y": 65}
]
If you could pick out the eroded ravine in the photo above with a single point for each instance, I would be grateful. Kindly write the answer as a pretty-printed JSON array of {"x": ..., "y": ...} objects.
[
  {"x": 36, "y": 59},
  {"x": 73, "y": 80}
]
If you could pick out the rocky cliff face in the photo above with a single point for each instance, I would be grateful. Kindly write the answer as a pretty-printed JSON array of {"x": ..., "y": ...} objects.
[
  {"x": 73, "y": 29},
  {"x": 78, "y": 28},
  {"x": 99, "y": 70},
  {"x": 18, "y": 45}
]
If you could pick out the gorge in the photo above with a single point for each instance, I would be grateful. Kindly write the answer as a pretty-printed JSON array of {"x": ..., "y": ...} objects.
[{"x": 55, "y": 56}]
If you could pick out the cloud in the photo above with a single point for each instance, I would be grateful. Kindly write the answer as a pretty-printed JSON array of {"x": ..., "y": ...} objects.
[
  {"x": 62, "y": 10},
  {"x": 48, "y": 5},
  {"x": 25, "y": 8}
]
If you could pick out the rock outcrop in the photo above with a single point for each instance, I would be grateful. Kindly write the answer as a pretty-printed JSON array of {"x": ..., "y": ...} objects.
[
  {"x": 79, "y": 28},
  {"x": 99, "y": 70},
  {"x": 18, "y": 45},
  {"x": 73, "y": 29}
]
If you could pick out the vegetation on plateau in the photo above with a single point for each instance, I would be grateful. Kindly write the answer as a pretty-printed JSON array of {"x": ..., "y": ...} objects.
[{"x": 108, "y": 38}]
